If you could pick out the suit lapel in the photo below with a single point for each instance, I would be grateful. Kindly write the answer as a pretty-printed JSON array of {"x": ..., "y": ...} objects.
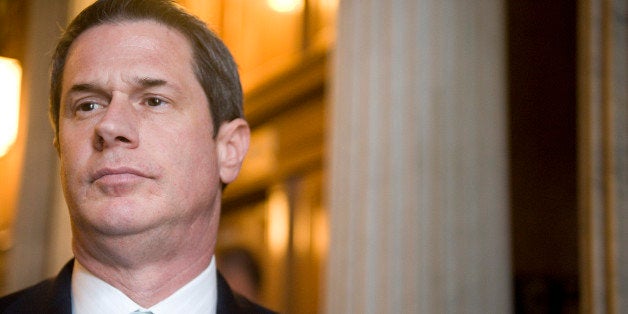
[
  {"x": 60, "y": 293},
  {"x": 226, "y": 302}
]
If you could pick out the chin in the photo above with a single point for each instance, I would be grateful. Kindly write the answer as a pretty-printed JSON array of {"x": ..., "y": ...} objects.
[{"x": 117, "y": 218}]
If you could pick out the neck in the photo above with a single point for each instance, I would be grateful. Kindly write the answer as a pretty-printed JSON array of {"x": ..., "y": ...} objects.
[{"x": 150, "y": 266}]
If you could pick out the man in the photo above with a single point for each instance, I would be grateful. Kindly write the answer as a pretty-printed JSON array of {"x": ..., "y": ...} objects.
[{"x": 146, "y": 105}]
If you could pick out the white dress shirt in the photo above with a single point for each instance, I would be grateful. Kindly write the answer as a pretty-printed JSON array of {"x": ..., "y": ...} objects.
[{"x": 92, "y": 295}]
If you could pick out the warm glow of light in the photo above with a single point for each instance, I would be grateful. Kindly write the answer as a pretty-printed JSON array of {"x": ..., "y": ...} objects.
[
  {"x": 329, "y": 5},
  {"x": 321, "y": 234},
  {"x": 285, "y": 6},
  {"x": 278, "y": 222},
  {"x": 10, "y": 79}
]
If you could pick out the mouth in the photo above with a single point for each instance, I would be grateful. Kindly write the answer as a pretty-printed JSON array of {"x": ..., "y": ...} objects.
[{"x": 117, "y": 172}]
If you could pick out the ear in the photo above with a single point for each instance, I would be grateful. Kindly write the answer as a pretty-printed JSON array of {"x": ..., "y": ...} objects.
[{"x": 232, "y": 144}]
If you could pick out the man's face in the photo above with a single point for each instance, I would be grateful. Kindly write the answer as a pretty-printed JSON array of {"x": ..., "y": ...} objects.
[{"x": 135, "y": 132}]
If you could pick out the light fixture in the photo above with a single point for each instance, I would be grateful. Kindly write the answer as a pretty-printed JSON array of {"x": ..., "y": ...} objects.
[
  {"x": 285, "y": 6},
  {"x": 278, "y": 222},
  {"x": 10, "y": 79}
]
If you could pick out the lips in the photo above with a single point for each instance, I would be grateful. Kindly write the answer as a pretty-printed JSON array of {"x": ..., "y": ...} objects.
[{"x": 121, "y": 171}]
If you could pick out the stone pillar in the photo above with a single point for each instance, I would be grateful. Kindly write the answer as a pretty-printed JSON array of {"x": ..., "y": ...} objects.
[
  {"x": 418, "y": 195},
  {"x": 603, "y": 155}
]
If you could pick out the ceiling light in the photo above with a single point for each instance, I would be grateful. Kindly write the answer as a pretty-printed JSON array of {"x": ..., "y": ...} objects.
[{"x": 10, "y": 80}]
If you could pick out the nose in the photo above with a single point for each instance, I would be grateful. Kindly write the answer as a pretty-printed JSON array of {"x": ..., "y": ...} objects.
[{"x": 118, "y": 126}]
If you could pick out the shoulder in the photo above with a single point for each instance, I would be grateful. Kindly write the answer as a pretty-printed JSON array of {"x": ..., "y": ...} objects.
[
  {"x": 28, "y": 300},
  {"x": 233, "y": 303},
  {"x": 247, "y": 306},
  {"x": 48, "y": 296}
]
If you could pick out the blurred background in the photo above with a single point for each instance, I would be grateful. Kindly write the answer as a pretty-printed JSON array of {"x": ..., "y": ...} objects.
[{"x": 407, "y": 156}]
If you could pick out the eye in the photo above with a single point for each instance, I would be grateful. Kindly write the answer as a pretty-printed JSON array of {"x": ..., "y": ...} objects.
[
  {"x": 154, "y": 102},
  {"x": 88, "y": 106}
]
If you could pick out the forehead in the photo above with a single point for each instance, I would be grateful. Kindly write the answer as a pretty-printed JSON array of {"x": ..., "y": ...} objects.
[{"x": 139, "y": 43}]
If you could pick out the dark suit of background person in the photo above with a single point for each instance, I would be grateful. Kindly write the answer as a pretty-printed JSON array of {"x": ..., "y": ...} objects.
[{"x": 146, "y": 106}]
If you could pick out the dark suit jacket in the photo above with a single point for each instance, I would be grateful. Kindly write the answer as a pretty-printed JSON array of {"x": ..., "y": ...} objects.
[{"x": 53, "y": 296}]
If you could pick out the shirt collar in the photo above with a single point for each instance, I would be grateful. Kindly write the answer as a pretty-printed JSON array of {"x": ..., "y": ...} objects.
[{"x": 90, "y": 294}]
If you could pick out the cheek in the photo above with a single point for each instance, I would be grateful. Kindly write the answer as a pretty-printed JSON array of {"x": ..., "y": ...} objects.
[
  {"x": 194, "y": 180},
  {"x": 70, "y": 175},
  {"x": 192, "y": 154},
  {"x": 74, "y": 189},
  {"x": 201, "y": 157},
  {"x": 70, "y": 155},
  {"x": 74, "y": 140}
]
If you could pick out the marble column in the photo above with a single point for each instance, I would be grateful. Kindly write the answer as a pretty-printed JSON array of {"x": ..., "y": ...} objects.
[
  {"x": 418, "y": 190},
  {"x": 603, "y": 155}
]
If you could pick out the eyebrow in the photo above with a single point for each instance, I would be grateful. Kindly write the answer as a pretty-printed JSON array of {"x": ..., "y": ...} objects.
[
  {"x": 149, "y": 82},
  {"x": 85, "y": 87}
]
